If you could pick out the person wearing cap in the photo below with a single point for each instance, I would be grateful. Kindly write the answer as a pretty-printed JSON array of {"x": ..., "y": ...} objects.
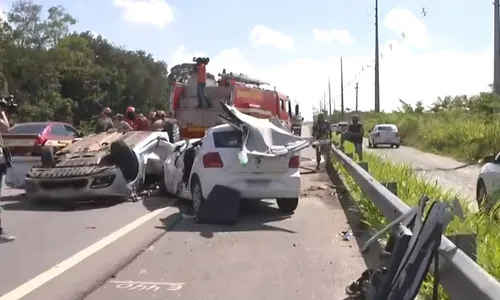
[
  {"x": 104, "y": 123},
  {"x": 131, "y": 117},
  {"x": 354, "y": 134}
]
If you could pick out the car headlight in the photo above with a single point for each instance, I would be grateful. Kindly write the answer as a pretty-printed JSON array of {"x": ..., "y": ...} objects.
[{"x": 100, "y": 182}]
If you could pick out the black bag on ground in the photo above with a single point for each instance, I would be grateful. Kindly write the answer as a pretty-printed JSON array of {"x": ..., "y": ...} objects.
[{"x": 221, "y": 207}]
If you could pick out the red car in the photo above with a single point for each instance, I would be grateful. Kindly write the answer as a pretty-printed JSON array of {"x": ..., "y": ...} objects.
[{"x": 27, "y": 139}]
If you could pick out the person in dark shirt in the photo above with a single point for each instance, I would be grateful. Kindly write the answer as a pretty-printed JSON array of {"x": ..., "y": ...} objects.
[
  {"x": 354, "y": 134},
  {"x": 104, "y": 123},
  {"x": 321, "y": 131}
]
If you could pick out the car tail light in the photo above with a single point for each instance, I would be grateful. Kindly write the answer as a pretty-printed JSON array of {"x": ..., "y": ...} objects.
[
  {"x": 294, "y": 162},
  {"x": 212, "y": 160},
  {"x": 397, "y": 134},
  {"x": 40, "y": 141}
]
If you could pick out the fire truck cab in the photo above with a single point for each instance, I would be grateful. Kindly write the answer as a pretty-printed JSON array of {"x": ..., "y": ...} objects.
[{"x": 195, "y": 103}]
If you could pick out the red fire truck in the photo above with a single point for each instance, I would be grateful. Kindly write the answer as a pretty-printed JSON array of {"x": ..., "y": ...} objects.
[{"x": 195, "y": 103}]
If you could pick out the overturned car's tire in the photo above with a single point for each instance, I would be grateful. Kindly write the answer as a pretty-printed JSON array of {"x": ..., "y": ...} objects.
[
  {"x": 47, "y": 156},
  {"x": 125, "y": 159},
  {"x": 172, "y": 128}
]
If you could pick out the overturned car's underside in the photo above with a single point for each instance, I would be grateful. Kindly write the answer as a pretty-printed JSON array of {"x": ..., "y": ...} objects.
[{"x": 106, "y": 164}]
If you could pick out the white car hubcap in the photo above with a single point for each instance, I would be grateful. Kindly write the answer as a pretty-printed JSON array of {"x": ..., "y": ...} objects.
[{"x": 196, "y": 197}]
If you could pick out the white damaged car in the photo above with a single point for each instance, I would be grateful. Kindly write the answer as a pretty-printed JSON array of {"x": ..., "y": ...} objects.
[
  {"x": 99, "y": 166},
  {"x": 258, "y": 158}
]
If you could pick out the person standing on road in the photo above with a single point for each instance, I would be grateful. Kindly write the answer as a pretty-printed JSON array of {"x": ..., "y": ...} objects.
[
  {"x": 4, "y": 127},
  {"x": 354, "y": 134},
  {"x": 104, "y": 123},
  {"x": 321, "y": 131}
]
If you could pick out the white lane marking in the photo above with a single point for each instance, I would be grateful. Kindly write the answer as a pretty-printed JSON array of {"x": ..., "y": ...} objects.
[
  {"x": 72, "y": 261},
  {"x": 146, "y": 285}
]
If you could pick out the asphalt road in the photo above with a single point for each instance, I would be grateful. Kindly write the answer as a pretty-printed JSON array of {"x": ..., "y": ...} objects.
[
  {"x": 266, "y": 255},
  {"x": 449, "y": 173},
  {"x": 47, "y": 236},
  {"x": 65, "y": 254}
]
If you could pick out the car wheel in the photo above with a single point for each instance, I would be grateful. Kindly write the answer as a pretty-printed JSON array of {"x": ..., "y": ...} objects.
[
  {"x": 287, "y": 205},
  {"x": 369, "y": 144},
  {"x": 47, "y": 156},
  {"x": 481, "y": 194},
  {"x": 197, "y": 196},
  {"x": 125, "y": 159},
  {"x": 397, "y": 146},
  {"x": 374, "y": 146}
]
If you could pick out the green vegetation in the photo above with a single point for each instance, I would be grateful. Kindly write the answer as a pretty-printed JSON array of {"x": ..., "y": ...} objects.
[
  {"x": 466, "y": 128},
  {"x": 411, "y": 187},
  {"x": 59, "y": 75}
]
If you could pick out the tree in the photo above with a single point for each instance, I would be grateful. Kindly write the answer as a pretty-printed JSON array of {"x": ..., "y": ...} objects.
[{"x": 58, "y": 75}]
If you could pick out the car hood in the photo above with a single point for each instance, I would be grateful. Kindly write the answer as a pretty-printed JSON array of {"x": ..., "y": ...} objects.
[{"x": 263, "y": 137}]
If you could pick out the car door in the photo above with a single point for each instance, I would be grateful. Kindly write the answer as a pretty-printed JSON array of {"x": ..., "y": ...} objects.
[
  {"x": 492, "y": 176},
  {"x": 174, "y": 166}
]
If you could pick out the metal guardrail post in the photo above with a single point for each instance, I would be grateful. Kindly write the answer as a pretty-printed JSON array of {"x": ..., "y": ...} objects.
[{"x": 460, "y": 276}]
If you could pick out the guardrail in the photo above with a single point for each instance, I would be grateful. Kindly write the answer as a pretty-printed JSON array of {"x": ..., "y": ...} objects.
[{"x": 460, "y": 276}]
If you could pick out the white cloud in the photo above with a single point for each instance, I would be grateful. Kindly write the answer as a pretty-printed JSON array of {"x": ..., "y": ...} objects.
[
  {"x": 263, "y": 36},
  {"x": 157, "y": 13},
  {"x": 402, "y": 21},
  {"x": 343, "y": 36},
  {"x": 403, "y": 74},
  {"x": 3, "y": 14}
]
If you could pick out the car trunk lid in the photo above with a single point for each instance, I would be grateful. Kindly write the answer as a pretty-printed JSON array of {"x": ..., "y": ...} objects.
[{"x": 20, "y": 144}]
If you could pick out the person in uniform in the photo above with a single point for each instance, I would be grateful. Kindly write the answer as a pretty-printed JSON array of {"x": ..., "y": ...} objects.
[
  {"x": 354, "y": 134},
  {"x": 321, "y": 131},
  {"x": 104, "y": 123}
]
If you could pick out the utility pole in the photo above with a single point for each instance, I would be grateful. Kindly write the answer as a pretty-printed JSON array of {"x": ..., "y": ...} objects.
[
  {"x": 356, "y": 88},
  {"x": 341, "y": 90},
  {"x": 324, "y": 97},
  {"x": 377, "y": 66},
  {"x": 329, "y": 98},
  {"x": 496, "y": 48}
]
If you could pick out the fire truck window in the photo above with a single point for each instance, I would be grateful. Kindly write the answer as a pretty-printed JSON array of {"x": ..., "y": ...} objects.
[{"x": 282, "y": 102}]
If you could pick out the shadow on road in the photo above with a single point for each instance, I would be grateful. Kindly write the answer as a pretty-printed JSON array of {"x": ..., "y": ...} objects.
[
  {"x": 254, "y": 215},
  {"x": 354, "y": 219},
  {"x": 20, "y": 202}
]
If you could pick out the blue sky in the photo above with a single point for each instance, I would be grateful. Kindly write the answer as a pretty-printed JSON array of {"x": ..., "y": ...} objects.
[{"x": 212, "y": 26}]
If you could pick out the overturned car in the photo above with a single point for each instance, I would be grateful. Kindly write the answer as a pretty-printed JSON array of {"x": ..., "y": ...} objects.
[
  {"x": 109, "y": 165},
  {"x": 245, "y": 158}
]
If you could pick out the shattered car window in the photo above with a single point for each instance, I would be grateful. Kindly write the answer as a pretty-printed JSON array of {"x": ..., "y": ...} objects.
[{"x": 227, "y": 139}]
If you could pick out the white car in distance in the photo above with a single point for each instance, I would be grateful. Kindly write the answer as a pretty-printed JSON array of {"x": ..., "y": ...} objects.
[
  {"x": 384, "y": 134},
  {"x": 488, "y": 182},
  {"x": 214, "y": 161}
]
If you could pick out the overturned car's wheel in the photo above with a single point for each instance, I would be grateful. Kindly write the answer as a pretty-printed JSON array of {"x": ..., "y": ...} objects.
[
  {"x": 287, "y": 205},
  {"x": 47, "y": 156},
  {"x": 172, "y": 128},
  {"x": 125, "y": 159}
]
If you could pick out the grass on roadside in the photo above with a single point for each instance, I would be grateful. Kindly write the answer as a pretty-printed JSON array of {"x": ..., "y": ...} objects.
[{"x": 411, "y": 186}]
